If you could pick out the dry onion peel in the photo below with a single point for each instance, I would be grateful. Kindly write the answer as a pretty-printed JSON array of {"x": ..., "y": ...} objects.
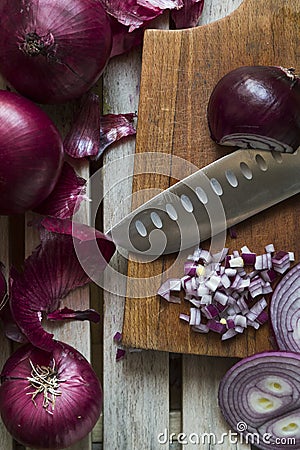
[
  {"x": 50, "y": 273},
  {"x": 66, "y": 197}
]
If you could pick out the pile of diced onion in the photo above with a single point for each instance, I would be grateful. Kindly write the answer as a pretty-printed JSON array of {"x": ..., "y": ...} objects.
[{"x": 226, "y": 292}]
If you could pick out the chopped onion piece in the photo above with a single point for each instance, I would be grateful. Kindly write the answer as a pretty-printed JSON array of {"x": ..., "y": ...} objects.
[
  {"x": 230, "y": 333},
  {"x": 270, "y": 248},
  {"x": 213, "y": 282},
  {"x": 184, "y": 317},
  {"x": 202, "y": 328},
  {"x": 236, "y": 262}
]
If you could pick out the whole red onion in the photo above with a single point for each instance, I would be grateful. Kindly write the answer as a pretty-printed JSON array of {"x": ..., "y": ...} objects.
[
  {"x": 256, "y": 107},
  {"x": 53, "y": 51},
  {"x": 31, "y": 154},
  {"x": 49, "y": 400}
]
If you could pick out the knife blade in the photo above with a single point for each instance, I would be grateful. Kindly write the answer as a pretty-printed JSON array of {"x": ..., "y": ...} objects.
[{"x": 208, "y": 202}]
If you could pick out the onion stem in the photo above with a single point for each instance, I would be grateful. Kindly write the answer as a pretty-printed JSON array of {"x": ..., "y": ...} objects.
[{"x": 45, "y": 381}]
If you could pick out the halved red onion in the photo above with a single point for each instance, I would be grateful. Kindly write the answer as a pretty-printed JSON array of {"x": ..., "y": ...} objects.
[
  {"x": 285, "y": 311},
  {"x": 49, "y": 399},
  {"x": 50, "y": 273},
  {"x": 259, "y": 398},
  {"x": 256, "y": 107}
]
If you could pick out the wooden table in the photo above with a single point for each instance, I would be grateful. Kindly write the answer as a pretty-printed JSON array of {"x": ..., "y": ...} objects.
[{"x": 149, "y": 397}]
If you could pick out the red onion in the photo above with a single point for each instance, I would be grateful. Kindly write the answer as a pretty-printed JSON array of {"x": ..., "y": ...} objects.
[
  {"x": 259, "y": 398},
  {"x": 49, "y": 400},
  {"x": 256, "y": 107},
  {"x": 285, "y": 311},
  {"x": 53, "y": 51},
  {"x": 31, "y": 154}
]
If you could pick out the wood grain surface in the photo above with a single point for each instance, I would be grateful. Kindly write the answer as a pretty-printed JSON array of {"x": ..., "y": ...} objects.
[{"x": 179, "y": 71}]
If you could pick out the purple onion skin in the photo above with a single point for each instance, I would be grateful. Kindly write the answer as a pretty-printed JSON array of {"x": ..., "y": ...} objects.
[
  {"x": 256, "y": 106},
  {"x": 76, "y": 410},
  {"x": 72, "y": 44},
  {"x": 31, "y": 154}
]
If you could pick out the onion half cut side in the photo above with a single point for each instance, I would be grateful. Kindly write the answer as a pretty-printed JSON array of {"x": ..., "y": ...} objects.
[
  {"x": 260, "y": 399},
  {"x": 285, "y": 311}
]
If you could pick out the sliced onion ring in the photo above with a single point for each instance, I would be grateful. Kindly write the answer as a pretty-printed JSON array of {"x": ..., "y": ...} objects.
[
  {"x": 285, "y": 311},
  {"x": 259, "y": 398}
]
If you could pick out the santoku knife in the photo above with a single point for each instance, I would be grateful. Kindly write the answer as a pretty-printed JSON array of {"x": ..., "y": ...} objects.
[{"x": 209, "y": 201}]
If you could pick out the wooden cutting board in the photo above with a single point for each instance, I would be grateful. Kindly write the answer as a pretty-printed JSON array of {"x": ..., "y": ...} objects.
[{"x": 179, "y": 71}]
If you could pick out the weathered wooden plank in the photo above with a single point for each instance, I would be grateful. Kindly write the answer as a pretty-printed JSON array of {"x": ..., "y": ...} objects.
[
  {"x": 202, "y": 422},
  {"x": 136, "y": 389}
]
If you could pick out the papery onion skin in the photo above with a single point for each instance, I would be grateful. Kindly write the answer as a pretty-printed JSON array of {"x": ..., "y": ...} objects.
[
  {"x": 256, "y": 107},
  {"x": 274, "y": 376},
  {"x": 53, "y": 51},
  {"x": 31, "y": 154},
  {"x": 75, "y": 412},
  {"x": 67, "y": 195},
  {"x": 52, "y": 271}
]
